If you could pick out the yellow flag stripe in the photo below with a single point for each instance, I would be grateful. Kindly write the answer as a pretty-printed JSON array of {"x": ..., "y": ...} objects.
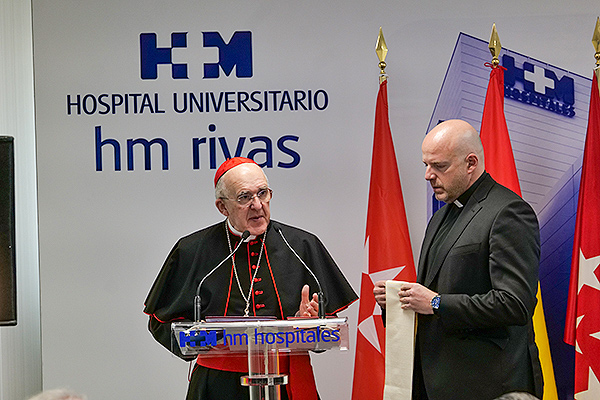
[{"x": 541, "y": 339}]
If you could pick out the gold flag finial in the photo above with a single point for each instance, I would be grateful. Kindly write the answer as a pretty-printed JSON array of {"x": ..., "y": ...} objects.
[
  {"x": 596, "y": 42},
  {"x": 495, "y": 47},
  {"x": 381, "y": 50}
]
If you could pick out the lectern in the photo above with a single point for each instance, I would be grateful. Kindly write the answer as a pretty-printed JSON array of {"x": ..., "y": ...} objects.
[{"x": 264, "y": 340}]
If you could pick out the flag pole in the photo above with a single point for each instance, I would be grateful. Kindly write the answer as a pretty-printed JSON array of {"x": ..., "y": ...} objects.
[
  {"x": 388, "y": 254},
  {"x": 495, "y": 46},
  {"x": 582, "y": 317},
  {"x": 506, "y": 174},
  {"x": 381, "y": 50},
  {"x": 495, "y": 138},
  {"x": 596, "y": 43}
]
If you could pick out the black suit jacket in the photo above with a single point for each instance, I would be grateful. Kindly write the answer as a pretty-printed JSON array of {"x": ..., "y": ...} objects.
[{"x": 480, "y": 342}]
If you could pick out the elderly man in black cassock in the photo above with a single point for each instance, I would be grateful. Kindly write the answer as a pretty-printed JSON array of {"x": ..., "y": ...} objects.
[{"x": 263, "y": 278}]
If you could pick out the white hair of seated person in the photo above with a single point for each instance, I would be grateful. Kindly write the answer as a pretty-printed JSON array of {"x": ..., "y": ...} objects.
[
  {"x": 517, "y": 396},
  {"x": 58, "y": 394}
]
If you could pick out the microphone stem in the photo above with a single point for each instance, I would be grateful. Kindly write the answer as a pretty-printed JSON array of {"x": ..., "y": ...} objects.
[
  {"x": 321, "y": 310},
  {"x": 197, "y": 299},
  {"x": 320, "y": 295},
  {"x": 197, "y": 308}
]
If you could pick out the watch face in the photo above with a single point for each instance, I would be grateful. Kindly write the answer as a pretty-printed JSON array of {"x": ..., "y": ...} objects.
[{"x": 435, "y": 302}]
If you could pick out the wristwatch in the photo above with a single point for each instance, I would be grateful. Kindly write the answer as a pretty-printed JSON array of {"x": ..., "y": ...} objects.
[{"x": 435, "y": 302}]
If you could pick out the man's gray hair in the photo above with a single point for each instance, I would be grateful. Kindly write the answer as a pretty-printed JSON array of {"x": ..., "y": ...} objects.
[
  {"x": 221, "y": 190},
  {"x": 517, "y": 396},
  {"x": 58, "y": 394}
]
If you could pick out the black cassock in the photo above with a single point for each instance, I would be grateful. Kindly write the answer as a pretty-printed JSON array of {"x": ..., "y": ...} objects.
[{"x": 276, "y": 292}]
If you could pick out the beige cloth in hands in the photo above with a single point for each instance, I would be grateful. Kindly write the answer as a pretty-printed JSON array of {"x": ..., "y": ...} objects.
[{"x": 399, "y": 345}]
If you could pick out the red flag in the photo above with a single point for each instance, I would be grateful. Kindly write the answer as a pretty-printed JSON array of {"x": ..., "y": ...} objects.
[
  {"x": 499, "y": 159},
  {"x": 388, "y": 255},
  {"x": 582, "y": 325},
  {"x": 500, "y": 164}
]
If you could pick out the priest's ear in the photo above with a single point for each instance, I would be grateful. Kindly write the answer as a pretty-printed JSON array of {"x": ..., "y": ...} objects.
[
  {"x": 221, "y": 207},
  {"x": 472, "y": 162}
]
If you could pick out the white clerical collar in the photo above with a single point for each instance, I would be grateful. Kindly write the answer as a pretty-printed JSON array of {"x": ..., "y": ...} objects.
[
  {"x": 238, "y": 233},
  {"x": 458, "y": 204}
]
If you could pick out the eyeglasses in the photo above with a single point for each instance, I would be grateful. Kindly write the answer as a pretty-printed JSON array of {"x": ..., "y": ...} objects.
[{"x": 245, "y": 199}]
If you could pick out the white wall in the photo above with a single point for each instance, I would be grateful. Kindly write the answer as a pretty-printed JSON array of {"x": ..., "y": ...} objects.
[
  {"x": 20, "y": 346},
  {"x": 420, "y": 35}
]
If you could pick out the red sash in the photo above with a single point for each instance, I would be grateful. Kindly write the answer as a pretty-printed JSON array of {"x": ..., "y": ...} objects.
[{"x": 301, "y": 382}]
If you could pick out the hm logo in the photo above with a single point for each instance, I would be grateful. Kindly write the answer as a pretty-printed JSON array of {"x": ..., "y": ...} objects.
[
  {"x": 539, "y": 80},
  {"x": 198, "y": 338},
  {"x": 236, "y": 53}
]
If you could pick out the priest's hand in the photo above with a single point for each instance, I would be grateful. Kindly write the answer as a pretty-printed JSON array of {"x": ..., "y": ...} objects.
[
  {"x": 416, "y": 297},
  {"x": 379, "y": 293},
  {"x": 308, "y": 307}
]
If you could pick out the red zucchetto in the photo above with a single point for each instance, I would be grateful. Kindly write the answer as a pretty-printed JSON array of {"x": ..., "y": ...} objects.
[{"x": 230, "y": 163}]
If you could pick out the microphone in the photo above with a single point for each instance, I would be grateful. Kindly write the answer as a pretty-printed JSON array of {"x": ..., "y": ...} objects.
[
  {"x": 320, "y": 295},
  {"x": 197, "y": 299}
]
